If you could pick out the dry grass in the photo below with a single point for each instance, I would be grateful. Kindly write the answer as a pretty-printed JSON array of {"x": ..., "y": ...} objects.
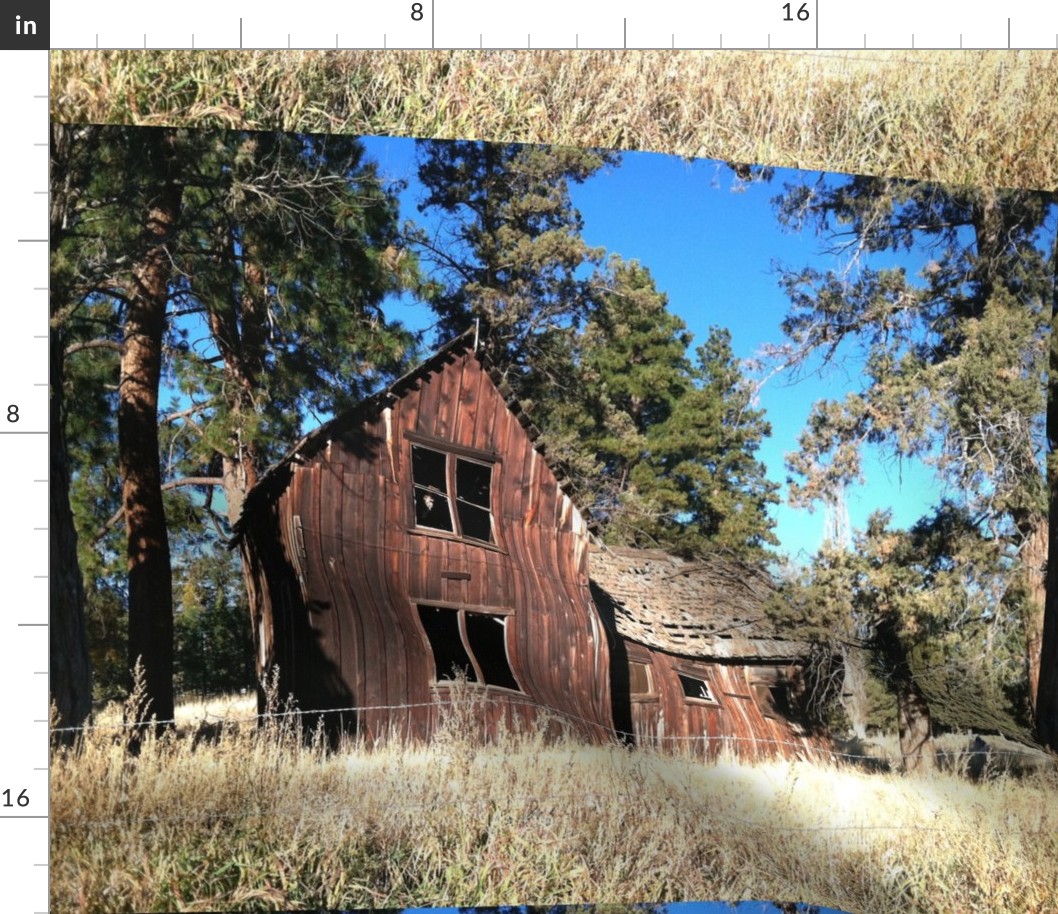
[
  {"x": 260, "y": 820},
  {"x": 986, "y": 117}
]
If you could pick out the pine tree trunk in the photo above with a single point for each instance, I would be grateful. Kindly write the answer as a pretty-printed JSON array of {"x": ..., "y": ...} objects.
[
  {"x": 854, "y": 690},
  {"x": 150, "y": 573},
  {"x": 70, "y": 668},
  {"x": 1047, "y": 691},
  {"x": 913, "y": 717},
  {"x": 1034, "y": 555}
]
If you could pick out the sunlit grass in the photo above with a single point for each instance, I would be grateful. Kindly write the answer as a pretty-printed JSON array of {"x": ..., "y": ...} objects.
[
  {"x": 986, "y": 117},
  {"x": 259, "y": 819}
]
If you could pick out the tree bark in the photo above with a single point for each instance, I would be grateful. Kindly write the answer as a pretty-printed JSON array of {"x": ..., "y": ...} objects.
[
  {"x": 70, "y": 667},
  {"x": 69, "y": 663},
  {"x": 912, "y": 708},
  {"x": 1047, "y": 691},
  {"x": 1034, "y": 563},
  {"x": 150, "y": 573}
]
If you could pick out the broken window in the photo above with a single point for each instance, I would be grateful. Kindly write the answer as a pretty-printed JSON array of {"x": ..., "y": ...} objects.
[
  {"x": 430, "y": 477},
  {"x": 450, "y": 655},
  {"x": 640, "y": 680},
  {"x": 439, "y": 479},
  {"x": 773, "y": 699},
  {"x": 471, "y": 643},
  {"x": 693, "y": 687}
]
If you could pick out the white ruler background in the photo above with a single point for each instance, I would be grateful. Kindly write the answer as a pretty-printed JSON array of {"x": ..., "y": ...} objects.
[{"x": 816, "y": 25}]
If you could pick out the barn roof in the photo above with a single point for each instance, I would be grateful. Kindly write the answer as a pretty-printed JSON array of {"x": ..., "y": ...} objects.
[
  {"x": 711, "y": 608},
  {"x": 369, "y": 408}
]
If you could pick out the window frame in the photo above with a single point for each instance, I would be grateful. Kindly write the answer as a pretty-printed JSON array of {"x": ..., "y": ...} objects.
[
  {"x": 710, "y": 700},
  {"x": 452, "y": 454},
  {"x": 652, "y": 684},
  {"x": 503, "y": 615}
]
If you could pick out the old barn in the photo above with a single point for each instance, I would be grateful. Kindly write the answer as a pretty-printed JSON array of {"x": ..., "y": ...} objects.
[
  {"x": 698, "y": 666},
  {"x": 422, "y": 537}
]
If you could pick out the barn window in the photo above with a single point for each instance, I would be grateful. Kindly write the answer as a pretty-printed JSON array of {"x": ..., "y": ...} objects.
[
  {"x": 452, "y": 493},
  {"x": 773, "y": 699},
  {"x": 693, "y": 687},
  {"x": 640, "y": 679},
  {"x": 471, "y": 643}
]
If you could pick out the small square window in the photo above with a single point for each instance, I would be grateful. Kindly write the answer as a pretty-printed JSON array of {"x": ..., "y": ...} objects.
[
  {"x": 773, "y": 699},
  {"x": 640, "y": 679},
  {"x": 694, "y": 687}
]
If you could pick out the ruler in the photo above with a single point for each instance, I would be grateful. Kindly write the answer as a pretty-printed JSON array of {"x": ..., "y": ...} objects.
[{"x": 812, "y": 25}]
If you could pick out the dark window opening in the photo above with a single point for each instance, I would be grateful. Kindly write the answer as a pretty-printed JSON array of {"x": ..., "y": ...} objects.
[
  {"x": 693, "y": 687},
  {"x": 437, "y": 479},
  {"x": 773, "y": 700},
  {"x": 470, "y": 642},
  {"x": 449, "y": 654},
  {"x": 430, "y": 478},
  {"x": 639, "y": 678},
  {"x": 487, "y": 637}
]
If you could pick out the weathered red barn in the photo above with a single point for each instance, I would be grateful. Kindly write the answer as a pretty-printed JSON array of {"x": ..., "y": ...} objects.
[
  {"x": 697, "y": 665},
  {"x": 422, "y": 537},
  {"x": 419, "y": 534}
]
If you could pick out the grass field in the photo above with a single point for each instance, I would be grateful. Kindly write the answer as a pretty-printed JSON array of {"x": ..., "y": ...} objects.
[
  {"x": 987, "y": 117},
  {"x": 256, "y": 819}
]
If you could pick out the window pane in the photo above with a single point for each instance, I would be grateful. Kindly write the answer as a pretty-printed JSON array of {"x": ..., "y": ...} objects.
[
  {"x": 431, "y": 510},
  {"x": 773, "y": 700},
  {"x": 693, "y": 687},
  {"x": 639, "y": 678},
  {"x": 474, "y": 483},
  {"x": 487, "y": 638},
  {"x": 431, "y": 488},
  {"x": 428, "y": 469},
  {"x": 450, "y": 657},
  {"x": 475, "y": 523}
]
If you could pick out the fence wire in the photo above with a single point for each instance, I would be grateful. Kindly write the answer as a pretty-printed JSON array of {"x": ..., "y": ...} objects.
[{"x": 810, "y": 747}]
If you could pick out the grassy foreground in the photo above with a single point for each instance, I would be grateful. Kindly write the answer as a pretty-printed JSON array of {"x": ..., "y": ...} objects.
[
  {"x": 986, "y": 117},
  {"x": 254, "y": 819}
]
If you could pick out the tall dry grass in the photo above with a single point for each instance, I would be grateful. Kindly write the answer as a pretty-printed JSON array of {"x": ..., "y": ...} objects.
[
  {"x": 260, "y": 819},
  {"x": 985, "y": 117}
]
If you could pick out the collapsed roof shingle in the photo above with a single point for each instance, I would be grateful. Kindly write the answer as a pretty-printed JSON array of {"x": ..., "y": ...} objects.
[{"x": 712, "y": 608}]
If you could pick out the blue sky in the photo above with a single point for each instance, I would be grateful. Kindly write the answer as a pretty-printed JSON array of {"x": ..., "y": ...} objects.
[{"x": 713, "y": 251}]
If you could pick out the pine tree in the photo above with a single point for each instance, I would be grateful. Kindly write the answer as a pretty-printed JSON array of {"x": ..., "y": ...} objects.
[
  {"x": 953, "y": 357},
  {"x": 252, "y": 269},
  {"x": 664, "y": 446},
  {"x": 509, "y": 252}
]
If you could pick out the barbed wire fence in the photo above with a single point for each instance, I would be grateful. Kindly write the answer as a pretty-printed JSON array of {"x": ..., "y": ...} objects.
[{"x": 808, "y": 748}]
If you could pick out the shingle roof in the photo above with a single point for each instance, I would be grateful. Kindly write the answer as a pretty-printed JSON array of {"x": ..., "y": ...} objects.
[{"x": 712, "y": 608}]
